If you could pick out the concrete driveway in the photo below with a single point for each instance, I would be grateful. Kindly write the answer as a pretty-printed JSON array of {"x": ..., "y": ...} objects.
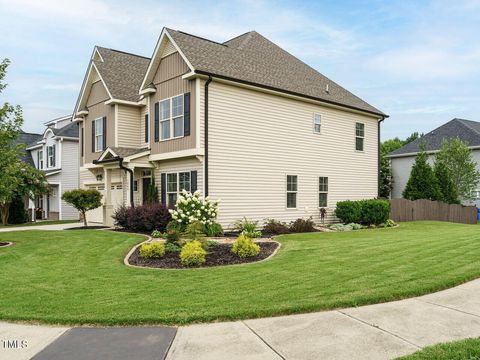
[{"x": 382, "y": 331}]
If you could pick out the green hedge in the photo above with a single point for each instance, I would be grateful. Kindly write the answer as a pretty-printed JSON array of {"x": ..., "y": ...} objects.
[{"x": 364, "y": 212}]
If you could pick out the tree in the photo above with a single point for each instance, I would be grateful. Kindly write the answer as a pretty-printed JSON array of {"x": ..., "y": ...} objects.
[
  {"x": 447, "y": 188},
  {"x": 386, "y": 180},
  {"x": 17, "y": 179},
  {"x": 422, "y": 183},
  {"x": 152, "y": 192},
  {"x": 455, "y": 155},
  {"x": 83, "y": 200}
]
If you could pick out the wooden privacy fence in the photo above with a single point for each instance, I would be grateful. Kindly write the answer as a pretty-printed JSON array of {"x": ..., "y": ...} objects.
[{"x": 408, "y": 210}]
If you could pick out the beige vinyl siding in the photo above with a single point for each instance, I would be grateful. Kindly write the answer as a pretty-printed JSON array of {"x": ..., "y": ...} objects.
[
  {"x": 179, "y": 165},
  {"x": 144, "y": 111},
  {"x": 80, "y": 141},
  {"x": 129, "y": 126},
  {"x": 169, "y": 49},
  {"x": 257, "y": 139},
  {"x": 98, "y": 94},
  {"x": 95, "y": 112},
  {"x": 168, "y": 81}
]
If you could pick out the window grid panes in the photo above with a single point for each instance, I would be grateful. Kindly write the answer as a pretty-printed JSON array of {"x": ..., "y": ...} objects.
[
  {"x": 292, "y": 187},
  {"x": 176, "y": 183},
  {"x": 50, "y": 156},
  {"x": 171, "y": 117},
  {"x": 322, "y": 191},
  {"x": 98, "y": 135},
  {"x": 40, "y": 159},
  {"x": 317, "y": 123},
  {"x": 359, "y": 136}
]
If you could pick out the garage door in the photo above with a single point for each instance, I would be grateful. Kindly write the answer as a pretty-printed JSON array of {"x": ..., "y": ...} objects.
[{"x": 96, "y": 215}]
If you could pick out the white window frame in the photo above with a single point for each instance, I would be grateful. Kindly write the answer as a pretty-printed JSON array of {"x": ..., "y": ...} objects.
[
  {"x": 97, "y": 135},
  {"x": 171, "y": 118},
  {"x": 50, "y": 157},
  {"x": 179, "y": 189},
  {"x": 317, "y": 121},
  {"x": 40, "y": 159},
  {"x": 360, "y": 136},
  {"x": 291, "y": 192},
  {"x": 323, "y": 191}
]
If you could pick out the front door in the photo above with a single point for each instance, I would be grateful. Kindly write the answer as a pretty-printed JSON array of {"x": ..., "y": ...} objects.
[{"x": 145, "y": 186}]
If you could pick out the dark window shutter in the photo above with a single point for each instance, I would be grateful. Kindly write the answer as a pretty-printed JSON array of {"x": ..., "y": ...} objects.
[
  {"x": 104, "y": 130},
  {"x": 186, "y": 114},
  {"x": 146, "y": 129},
  {"x": 163, "y": 188},
  {"x": 82, "y": 141},
  {"x": 54, "y": 155},
  {"x": 93, "y": 136},
  {"x": 193, "y": 181},
  {"x": 156, "y": 122}
]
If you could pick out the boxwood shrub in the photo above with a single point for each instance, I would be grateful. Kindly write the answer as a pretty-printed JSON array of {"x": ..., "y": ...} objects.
[{"x": 365, "y": 212}]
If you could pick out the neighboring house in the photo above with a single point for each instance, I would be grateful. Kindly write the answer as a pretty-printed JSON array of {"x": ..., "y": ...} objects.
[
  {"x": 402, "y": 159},
  {"x": 56, "y": 153},
  {"x": 241, "y": 121},
  {"x": 25, "y": 139}
]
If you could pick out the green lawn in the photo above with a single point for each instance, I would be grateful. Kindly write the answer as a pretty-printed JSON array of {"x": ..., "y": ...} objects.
[
  {"x": 459, "y": 350},
  {"x": 78, "y": 277},
  {"x": 40, "y": 223}
]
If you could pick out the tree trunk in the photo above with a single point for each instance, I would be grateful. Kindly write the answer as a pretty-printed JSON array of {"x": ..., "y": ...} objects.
[
  {"x": 4, "y": 210},
  {"x": 84, "y": 219}
]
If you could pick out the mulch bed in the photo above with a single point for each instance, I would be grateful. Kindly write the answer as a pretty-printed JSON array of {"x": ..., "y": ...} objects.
[
  {"x": 2, "y": 243},
  {"x": 95, "y": 227},
  {"x": 217, "y": 256}
]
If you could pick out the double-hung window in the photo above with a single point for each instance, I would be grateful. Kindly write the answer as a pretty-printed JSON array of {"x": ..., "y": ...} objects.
[
  {"x": 40, "y": 159},
  {"x": 51, "y": 156},
  {"x": 98, "y": 123},
  {"x": 171, "y": 118},
  {"x": 359, "y": 136},
  {"x": 317, "y": 123},
  {"x": 292, "y": 188},
  {"x": 176, "y": 183},
  {"x": 322, "y": 191}
]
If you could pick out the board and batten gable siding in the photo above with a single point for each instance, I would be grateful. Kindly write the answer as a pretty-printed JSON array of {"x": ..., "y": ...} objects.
[
  {"x": 168, "y": 81},
  {"x": 257, "y": 139},
  {"x": 128, "y": 126},
  {"x": 98, "y": 109},
  {"x": 69, "y": 176}
]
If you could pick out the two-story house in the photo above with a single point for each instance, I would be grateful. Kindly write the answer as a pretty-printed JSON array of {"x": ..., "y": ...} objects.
[
  {"x": 242, "y": 121},
  {"x": 56, "y": 153}
]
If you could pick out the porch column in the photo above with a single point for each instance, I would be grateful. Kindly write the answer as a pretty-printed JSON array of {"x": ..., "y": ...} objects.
[{"x": 108, "y": 207}]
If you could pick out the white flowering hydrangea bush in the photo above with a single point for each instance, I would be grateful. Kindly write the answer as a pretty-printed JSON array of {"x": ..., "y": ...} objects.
[{"x": 192, "y": 207}]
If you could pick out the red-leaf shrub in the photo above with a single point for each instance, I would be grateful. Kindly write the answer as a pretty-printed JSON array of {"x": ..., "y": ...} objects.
[{"x": 144, "y": 218}]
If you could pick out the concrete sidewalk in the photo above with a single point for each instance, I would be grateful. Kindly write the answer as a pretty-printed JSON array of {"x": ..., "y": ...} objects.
[
  {"x": 42, "y": 227},
  {"x": 382, "y": 331}
]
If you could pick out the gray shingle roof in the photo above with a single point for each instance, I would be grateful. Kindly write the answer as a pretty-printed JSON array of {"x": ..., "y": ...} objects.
[
  {"x": 254, "y": 59},
  {"x": 122, "y": 72},
  {"x": 126, "y": 151},
  {"x": 70, "y": 130},
  {"x": 27, "y": 139},
  {"x": 467, "y": 130}
]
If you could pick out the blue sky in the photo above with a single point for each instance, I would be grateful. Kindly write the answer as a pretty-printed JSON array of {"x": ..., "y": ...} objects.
[{"x": 418, "y": 61}]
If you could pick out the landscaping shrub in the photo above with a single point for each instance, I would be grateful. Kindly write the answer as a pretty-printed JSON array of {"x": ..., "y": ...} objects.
[
  {"x": 302, "y": 225},
  {"x": 245, "y": 247},
  {"x": 273, "y": 226},
  {"x": 195, "y": 231},
  {"x": 144, "y": 218},
  {"x": 193, "y": 254},
  {"x": 341, "y": 227},
  {"x": 390, "y": 223},
  {"x": 213, "y": 229},
  {"x": 157, "y": 234},
  {"x": 17, "y": 213},
  {"x": 83, "y": 200},
  {"x": 348, "y": 211},
  {"x": 152, "y": 250},
  {"x": 365, "y": 212},
  {"x": 173, "y": 232},
  {"x": 192, "y": 207},
  {"x": 171, "y": 247},
  {"x": 247, "y": 227}
]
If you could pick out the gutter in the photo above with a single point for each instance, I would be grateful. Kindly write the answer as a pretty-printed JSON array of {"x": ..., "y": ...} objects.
[
  {"x": 379, "y": 156},
  {"x": 206, "y": 134},
  {"x": 120, "y": 164},
  {"x": 272, "y": 88}
]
